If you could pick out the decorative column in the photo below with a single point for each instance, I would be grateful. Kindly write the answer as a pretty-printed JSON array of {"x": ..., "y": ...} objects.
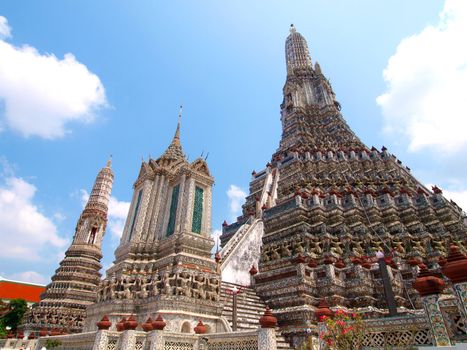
[
  {"x": 128, "y": 341},
  {"x": 253, "y": 271},
  {"x": 156, "y": 336},
  {"x": 456, "y": 270},
  {"x": 234, "y": 291},
  {"x": 430, "y": 286},
  {"x": 101, "y": 340},
  {"x": 388, "y": 292},
  {"x": 267, "y": 332},
  {"x": 322, "y": 312}
]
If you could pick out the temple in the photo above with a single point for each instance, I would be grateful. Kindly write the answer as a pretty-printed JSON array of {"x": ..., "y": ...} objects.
[
  {"x": 163, "y": 263},
  {"x": 324, "y": 205},
  {"x": 329, "y": 226}
]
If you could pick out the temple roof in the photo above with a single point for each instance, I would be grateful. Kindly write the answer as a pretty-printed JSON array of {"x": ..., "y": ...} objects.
[{"x": 174, "y": 151}]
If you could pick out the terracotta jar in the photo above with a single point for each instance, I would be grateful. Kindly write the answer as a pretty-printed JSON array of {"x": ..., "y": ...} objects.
[
  {"x": 130, "y": 324},
  {"x": 200, "y": 328},
  {"x": 147, "y": 326},
  {"x": 268, "y": 320},
  {"x": 158, "y": 324},
  {"x": 104, "y": 323}
]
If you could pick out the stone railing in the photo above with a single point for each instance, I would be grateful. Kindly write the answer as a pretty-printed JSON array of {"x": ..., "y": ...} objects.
[
  {"x": 247, "y": 340},
  {"x": 180, "y": 341},
  {"x": 17, "y": 344},
  {"x": 397, "y": 332},
  {"x": 80, "y": 341},
  {"x": 233, "y": 242},
  {"x": 401, "y": 332},
  {"x": 260, "y": 339}
]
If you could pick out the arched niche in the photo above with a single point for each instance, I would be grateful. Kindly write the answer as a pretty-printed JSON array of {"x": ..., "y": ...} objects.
[{"x": 186, "y": 327}]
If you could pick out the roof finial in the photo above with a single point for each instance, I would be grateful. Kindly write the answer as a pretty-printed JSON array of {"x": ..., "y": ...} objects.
[
  {"x": 292, "y": 28},
  {"x": 109, "y": 162},
  {"x": 177, "y": 132}
]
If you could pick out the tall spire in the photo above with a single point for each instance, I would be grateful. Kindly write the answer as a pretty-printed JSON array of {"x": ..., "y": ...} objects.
[
  {"x": 109, "y": 162},
  {"x": 74, "y": 284},
  {"x": 306, "y": 87},
  {"x": 174, "y": 151},
  {"x": 100, "y": 194},
  {"x": 297, "y": 54},
  {"x": 176, "y": 138}
]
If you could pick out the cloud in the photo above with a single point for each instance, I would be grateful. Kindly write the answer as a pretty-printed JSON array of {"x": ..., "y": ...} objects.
[
  {"x": 29, "y": 276},
  {"x": 25, "y": 231},
  {"x": 460, "y": 197},
  {"x": 42, "y": 94},
  {"x": 426, "y": 81},
  {"x": 5, "y": 30},
  {"x": 215, "y": 236},
  {"x": 118, "y": 211},
  {"x": 236, "y": 198}
]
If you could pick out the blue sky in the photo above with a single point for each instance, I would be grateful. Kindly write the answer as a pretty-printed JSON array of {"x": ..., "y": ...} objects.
[{"x": 82, "y": 80}]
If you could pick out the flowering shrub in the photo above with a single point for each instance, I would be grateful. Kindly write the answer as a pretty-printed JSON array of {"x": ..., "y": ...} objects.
[{"x": 344, "y": 331}]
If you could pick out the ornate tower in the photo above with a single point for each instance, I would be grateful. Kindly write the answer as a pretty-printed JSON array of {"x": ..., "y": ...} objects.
[
  {"x": 328, "y": 203},
  {"x": 74, "y": 284},
  {"x": 163, "y": 262}
]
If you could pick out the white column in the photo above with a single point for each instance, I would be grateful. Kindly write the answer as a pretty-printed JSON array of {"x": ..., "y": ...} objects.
[
  {"x": 207, "y": 212},
  {"x": 128, "y": 340},
  {"x": 155, "y": 205},
  {"x": 101, "y": 340},
  {"x": 267, "y": 339},
  {"x": 156, "y": 339}
]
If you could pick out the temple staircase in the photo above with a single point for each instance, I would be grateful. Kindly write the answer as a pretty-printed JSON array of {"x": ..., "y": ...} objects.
[{"x": 249, "y": 310}]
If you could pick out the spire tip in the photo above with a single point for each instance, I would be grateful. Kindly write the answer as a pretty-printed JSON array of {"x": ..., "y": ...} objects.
[{"x": 109, "y": 162}]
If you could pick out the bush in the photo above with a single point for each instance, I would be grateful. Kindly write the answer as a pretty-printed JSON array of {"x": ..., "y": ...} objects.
[
  {"x": 344, "y": 331},
  {"x": 52, "y": 343}
]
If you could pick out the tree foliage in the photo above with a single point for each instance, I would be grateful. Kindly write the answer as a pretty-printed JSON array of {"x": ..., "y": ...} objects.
[{"x": 15, "y": 315}]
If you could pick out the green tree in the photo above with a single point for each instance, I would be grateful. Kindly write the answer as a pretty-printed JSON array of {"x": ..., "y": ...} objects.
[{"x": 14, "y": 317}]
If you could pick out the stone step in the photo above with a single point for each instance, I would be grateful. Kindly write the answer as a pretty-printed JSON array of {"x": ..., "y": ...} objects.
[
  {"x": 242, "y": 295},
  {"x": 247, "y": 303},
  {"x": 249, "y": 310}
]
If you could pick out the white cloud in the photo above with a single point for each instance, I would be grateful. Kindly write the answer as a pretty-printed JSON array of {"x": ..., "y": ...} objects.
[
  {"x": 460, "y": 197},
  {"x": 236, "y": 198},
  {"x": 29, "y": 276},
  {"x": 5, "y": 30},
  {"x": 215, "y": 236},
  {"x": 25, "y": 231},
  {"x": 427, "y": 81},
  {"x": 118, "y": 211},
  {"x": 217, "y": 243},
  {"x": 59, "y": 216},
  {"x": 43, "y": 93}
]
